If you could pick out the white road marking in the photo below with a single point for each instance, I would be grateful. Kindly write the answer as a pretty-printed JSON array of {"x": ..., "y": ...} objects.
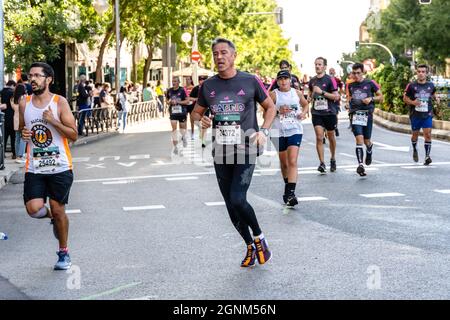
[
  {"x": 81, "y": 159},
  {"x": 140, "y": 157},
  {"x": 115, "y": 158},
  {"x": 182, "y": 178},
  {"x": 214, "y": 204},
  {"x": 118, "y": 182},
  {"x": 387, "y": 165},
  {"x": 347, "y": 155},
  {"x": 384, "y": 146},
  {"x": 112, "y": 291},
  {"x": 130, "y": 164},
  {"x": 73, "y": 211},
  {"x": 418, "y": 167},
  {"x": 304, "y": 199},
  {"x": 447, "y": 191},
  {"x": 365, "y": 168},
  {"x": 382, "y": 195},
  {"x": 100, "y": 165},
  {"x": 154, "y": 207},
  {"x": 145, "y": 298}
]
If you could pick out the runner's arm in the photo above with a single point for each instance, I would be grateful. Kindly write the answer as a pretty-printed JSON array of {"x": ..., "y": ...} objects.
[
  {"x": 270, "y": 111},
  {"x": 66, "y": 126},
  {"x": 304, "y": 103}
]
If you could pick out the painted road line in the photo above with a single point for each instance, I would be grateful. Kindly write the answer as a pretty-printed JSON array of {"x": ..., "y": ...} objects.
[
  {"x": 384, "y": 146},
  {"x": 127, "y": 164},
  {"x": 115, "y": 158},
  {"x": 154, "y": 207},
  {"x": 73, "y": 211},
  {"x": 347, "y": 155},
  {"x": 382, "y": 195},
  {"x": 214, "y": 204},
  {"x": 77, "y": 160},
  {"x": 447, "y": 191},
  {"x": 140, "y": 157},
  {"x": 118, "y": 182},
  {"x": 365, "y": 168},
  {"x": 112, "y": 291},
  {"x": 418, "y": 167},
  {"x": 304, "y": 199},
  {"x": 182, "y": 178}
]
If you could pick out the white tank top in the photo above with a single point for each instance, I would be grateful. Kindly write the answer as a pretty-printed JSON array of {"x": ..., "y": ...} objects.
[
  {"x": 288, "y": 124},
  {"x": 48, "y": 151}
]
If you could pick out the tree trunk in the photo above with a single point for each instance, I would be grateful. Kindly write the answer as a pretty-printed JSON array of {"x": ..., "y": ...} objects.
[
  {"x": 134, "y": 65},
  {"x": 148, "y": 62},
  {"x": 98, "y": 70}
]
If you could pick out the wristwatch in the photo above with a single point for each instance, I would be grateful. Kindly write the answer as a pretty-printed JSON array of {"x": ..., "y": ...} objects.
[
  {"x": 323, "y": 92},
  {"x": 265, "y": 131}
]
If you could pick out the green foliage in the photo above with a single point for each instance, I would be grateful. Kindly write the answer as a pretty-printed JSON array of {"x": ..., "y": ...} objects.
[
  {"x": 393, "y": 81},
  {"x": 35, "y": 30}
]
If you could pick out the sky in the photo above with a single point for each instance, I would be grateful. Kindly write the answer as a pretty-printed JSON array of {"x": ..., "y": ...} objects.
[{"x": 322, "y": 28}]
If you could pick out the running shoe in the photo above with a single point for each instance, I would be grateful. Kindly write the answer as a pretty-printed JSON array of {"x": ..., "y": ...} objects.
[
  {"x": 64, "y": 261},
  {"x": 361, "y": 171},
  {"x": 415, "y": 155},
  {"x": 337, "y": 132},
  {"x": 175, "y": 150},
  {"x": 322, "y": 168},
  {"x": 184, "y": 142},
  {"x": 203, "y": 145},
  {"x": 332, "y": 165},
  {"x": 427, "y": 161},
  {"x": 291, "y": 200},
  {"x": 250, "y": 258},
  {"x": 263, "y": 253}
]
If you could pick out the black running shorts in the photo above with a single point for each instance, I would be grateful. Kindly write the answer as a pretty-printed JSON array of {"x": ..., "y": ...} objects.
[{"x": 54, "y": 186}]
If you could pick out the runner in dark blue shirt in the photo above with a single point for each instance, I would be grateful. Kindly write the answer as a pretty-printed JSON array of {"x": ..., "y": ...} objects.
[
  {"x": 177, "y": 100},
  {"x": 231, "y": 96},
  {"x": 363, "y": 95},
  {"x": 418, "y": 95}
]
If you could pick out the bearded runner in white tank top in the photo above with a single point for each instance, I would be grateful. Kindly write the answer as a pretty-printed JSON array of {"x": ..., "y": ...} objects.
[
  {"x": 287, "y": 132},
  {"x": 47, "y": 124}
]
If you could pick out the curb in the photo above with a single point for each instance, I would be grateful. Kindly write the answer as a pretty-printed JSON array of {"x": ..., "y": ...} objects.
[{"x": 406, "y": 128}]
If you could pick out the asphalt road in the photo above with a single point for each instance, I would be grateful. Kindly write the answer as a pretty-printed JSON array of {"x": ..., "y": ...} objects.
[{"x": 145, "y": 224}]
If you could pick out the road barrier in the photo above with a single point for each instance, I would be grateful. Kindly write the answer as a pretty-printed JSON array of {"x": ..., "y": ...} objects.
[{"x": 97, "y": 120}]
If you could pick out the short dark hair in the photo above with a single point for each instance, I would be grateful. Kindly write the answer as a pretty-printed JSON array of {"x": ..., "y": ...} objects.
[
  {"x": 46, "y": 68},
  {"x": 357, "y": 66},
  {"x": 284, "y": 62},
  {"x": 24, "y": 77},
  {"x": 11, "y": 83},
  {"x": 148, "y": 84},
  {"x": 423, "y": 66},
  {"x": 323, "y": 59},
  {"x": 19, "y": 92},
  {"x": 223, "y": 40}
]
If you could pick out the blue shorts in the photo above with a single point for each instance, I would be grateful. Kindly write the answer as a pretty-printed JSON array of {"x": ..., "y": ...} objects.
[
  {"x": 417, "y": 123},
  {"x": 365, "y": 131},
  {"x": 282, "y": 143}
]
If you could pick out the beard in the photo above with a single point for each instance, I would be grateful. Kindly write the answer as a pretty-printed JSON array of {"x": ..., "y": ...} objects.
[{"x": 38, "y": 90}]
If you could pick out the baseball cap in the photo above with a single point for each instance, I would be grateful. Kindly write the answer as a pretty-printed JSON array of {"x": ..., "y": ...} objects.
[{"x": 283, "y": 74}]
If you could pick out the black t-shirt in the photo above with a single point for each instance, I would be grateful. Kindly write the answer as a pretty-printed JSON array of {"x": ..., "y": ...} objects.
[
  {"x": 360, "y": 91},
  {"x": 232, "y": 102},
  {"x": 194, "y": 92},
  {"x": 6, "y": 95},
  {"x": 83, "y": 94},
  {"x": 178, "y": 95},
  {"x": 323, "y": 106},
  {"x": 424, "y": 92}
]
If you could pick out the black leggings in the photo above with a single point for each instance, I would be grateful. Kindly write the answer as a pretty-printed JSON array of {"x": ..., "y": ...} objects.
[{"x": 234, "y": 181}]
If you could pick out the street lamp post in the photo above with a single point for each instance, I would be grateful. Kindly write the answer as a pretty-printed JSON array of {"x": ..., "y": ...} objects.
[
  {"x": 186, "y": 37},
  {"x": 382, "y": 46}
]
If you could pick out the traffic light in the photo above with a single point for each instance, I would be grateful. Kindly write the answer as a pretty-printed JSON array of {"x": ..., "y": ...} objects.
[
  {"x": 424, "y": 1},
  {"x": 279, "y": 15},
  {"x": 357, "y": 45}
]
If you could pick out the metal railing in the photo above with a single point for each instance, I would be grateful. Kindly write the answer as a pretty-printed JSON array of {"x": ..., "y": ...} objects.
[{"x": 97, "y": 120}]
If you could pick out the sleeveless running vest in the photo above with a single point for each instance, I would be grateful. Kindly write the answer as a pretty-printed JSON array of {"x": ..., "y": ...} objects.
[
  {"x": 288, "y": 124},
  {"x": 48, "y": 151}
]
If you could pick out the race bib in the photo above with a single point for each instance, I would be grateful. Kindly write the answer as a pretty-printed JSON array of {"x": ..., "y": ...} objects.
[
  {"x": 46, "y": 160},
  {"x": 360, "y": 118},
  {"x": 321, "y": 104},
  {"x": 423, "y": 106},
  {"x": 230, "y": 134},
  {"x": 177, "y": 109},
  {"x": 289, "y": 119}
]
